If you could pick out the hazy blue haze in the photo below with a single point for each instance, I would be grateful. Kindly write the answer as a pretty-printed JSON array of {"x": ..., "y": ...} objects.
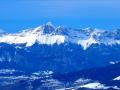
[{"x": 16, "y": 15}]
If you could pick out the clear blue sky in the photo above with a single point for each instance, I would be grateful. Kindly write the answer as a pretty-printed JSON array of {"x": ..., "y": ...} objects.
[{"x": 16, "y": 15}]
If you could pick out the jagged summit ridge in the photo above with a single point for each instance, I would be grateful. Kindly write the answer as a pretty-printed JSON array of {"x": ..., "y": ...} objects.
[{"x": 49, "y": 34}]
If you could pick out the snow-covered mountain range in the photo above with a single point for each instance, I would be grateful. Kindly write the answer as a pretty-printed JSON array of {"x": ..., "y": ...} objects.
[
  {"x": 59, "y": 58},
  {"x": 48, "y": 34}
]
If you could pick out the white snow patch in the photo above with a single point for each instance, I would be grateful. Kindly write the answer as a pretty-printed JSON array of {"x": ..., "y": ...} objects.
[
  {"x": 114, "y": 62},
  {"x": 117, "y": 78},
  {"x": 51, "y": 39},
  {"x": 82, "y": 81},
  {"x": 95, "y": 85},
  {"x": 4, "y": 71},
  {"x": 87, "y": 43},
  {"x": 43, "y": 73}
]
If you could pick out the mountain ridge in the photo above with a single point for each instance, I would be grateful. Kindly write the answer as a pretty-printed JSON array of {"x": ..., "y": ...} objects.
[{"x": 49, "y": 34}]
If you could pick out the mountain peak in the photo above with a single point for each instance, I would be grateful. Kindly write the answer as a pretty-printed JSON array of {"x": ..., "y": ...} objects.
[
  {"x": 49, "y": 24},
  {"x": 48, "y": 28}
]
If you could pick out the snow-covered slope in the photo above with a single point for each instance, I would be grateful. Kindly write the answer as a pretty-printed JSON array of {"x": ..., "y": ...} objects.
[
  {"x": 31, "y": 36},
  {"x": 48, "y": 34}
]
